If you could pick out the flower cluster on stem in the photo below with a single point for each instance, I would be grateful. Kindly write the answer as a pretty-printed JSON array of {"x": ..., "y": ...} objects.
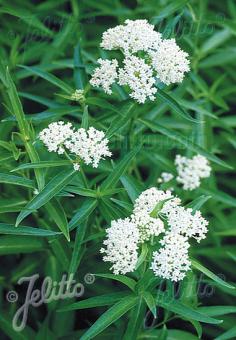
[
  {"x": 158, "y": 216},
  {"x": 90, "y": 145},
  {"x": 147, "y": 57}
]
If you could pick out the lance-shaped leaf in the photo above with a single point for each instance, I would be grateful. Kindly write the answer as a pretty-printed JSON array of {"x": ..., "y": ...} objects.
[
  {"x": 83, "y": 212},
  {"x": 119, "y": 170},
  {"x": 211, "y": 275},
  {"x": 16, "y": 180},
  {"x": 131, "y": 283},
  {"x": 96, "y": 301},
  {"x": 110, "y": 316},
  {"x": 170, "y": 303},
  {"x": 166, "y": 98},
  {"x": 9, "y": 229},
  {"x": 56, "y": 211},
  {"x": 49, "y": 77},
  {"x": 56, "y": 184}
]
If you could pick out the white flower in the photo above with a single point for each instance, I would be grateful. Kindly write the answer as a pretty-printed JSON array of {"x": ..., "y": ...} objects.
[
  {"x": 170, "y": 62},
  {"x": 190, "y": 171},
  {"x": 121, "y": 246},
  {"x": 149, "y": 198},
  {"x": 55, "y": 136},
  {"x": 133, "y": 36},
  {"x": 139, "y": 77},
  {"x": 165, "y": 177},
  {"x": 76, "y": 166},
  {"x": 185, "y": 222},
  {"x": 105, "y": 75},
  {"x": 91, "y": 146},
  {"x": 149, "y": 225},
  {"x": 172, "y": 260},
  {"x": 146, "y": 56}
]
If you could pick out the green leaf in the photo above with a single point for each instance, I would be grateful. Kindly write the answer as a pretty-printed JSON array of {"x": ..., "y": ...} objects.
[
  {"x": 12, "y": 244},
  {"x": 83, "y": 212},
  {"x": 151, "y": 303},
  {"x": 56, "y": 211},
  {"x": 198, "y": 202},
  {"x": 82, "y": 191},
  {"x": 80, "y": 76},
  {"x": 16, "y": 180},
  {"x": 110, "y": 316},
  {"x": 49, "y": 77},
  {"x": 27, "y": 17},
  {"x": 230, "y": 334},
  {"x": 121, "y": 278},
  {"x": 119, "y": 170},
  {"x": 96, "y": 301},
  {"x": 85, "y": 118},
  {"x": 17, "y": 111},
  {"x": 136, "y": 318},
  {"x": 142, "y": 256},
  {"x": 10, "y": 229},
  {"x": 56, "y": 184},
  {"x": 121, "y": 120},
  {"x": 166, "y": 98},
  {"x": 220, "y": 196},
  {"x": 184, "y": 141},
  {"x": 104, "y": 104},
  {"x": 41, "y": 165},
  {"x": 217, "y": 310},
  {"x": 80, "y": 233},
  {"x": 169, "y": 10},
  {"x": 211, "y": 275},
  {"x": 169, "y": 303},
  {"x": 133, "y": 188}
]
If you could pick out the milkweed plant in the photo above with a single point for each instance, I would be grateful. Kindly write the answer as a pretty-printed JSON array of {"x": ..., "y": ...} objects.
[{"x": 116, "y": 172}]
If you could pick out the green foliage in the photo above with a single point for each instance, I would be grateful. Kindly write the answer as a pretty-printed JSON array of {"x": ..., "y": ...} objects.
[{"x": 53, "y": 219}]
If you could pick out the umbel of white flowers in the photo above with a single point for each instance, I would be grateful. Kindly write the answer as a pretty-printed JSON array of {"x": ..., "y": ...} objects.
[
  {"x": 88, "y": 146},
  {"x": 156, "y": 213},
  {"x": 190, "y": 171},
  {"x": 146, "y": 58}
]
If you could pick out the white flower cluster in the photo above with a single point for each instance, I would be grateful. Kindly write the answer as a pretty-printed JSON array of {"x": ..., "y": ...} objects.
[
  {"x": 105, "y": 75},
  {"x": 55, "y": 136},
  {"x": 91, "y": 146},
  {"x": 191, "y": 171},
  {"x": 121, "y": 246},
  {"x": 156, "y": 212},
  {"x": 170, "y": 62},
  {"x": 185, "y": 222},
  {"x": 147, "y": 57},
  {"x": 172, "y": 260},
  {"x": 144, "y": 215},
  {"x": 165, "y": 177},
  {"x": 139, "y": 77},
  {"x": 132, "y": 37}
]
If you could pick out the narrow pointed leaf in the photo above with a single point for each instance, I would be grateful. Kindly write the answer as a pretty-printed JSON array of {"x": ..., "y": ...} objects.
[
  {"x": 96, "y": 301},
  {"x": 211, "y": 275},
  {"x": 119, "y": 170},
  {"x": 110, "y": 316},
  {"x": 56, "y": 184}
]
